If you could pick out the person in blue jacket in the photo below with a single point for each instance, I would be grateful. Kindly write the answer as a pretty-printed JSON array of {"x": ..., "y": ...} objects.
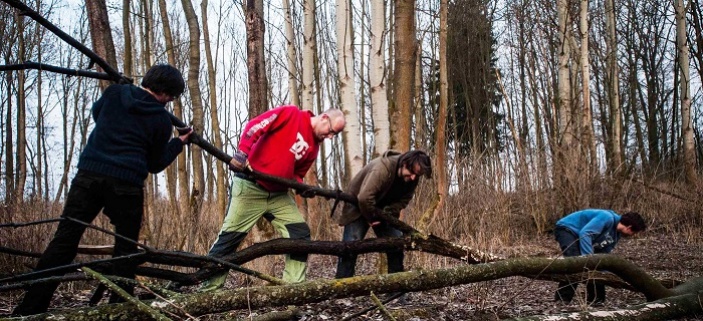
[
  {"x": 592, "y": 231},
  {"x": 131, "y": 138}
]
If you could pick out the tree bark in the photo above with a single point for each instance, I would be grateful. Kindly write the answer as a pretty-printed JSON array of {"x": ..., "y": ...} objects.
[
  {"x": 220, "y": 174},
  {"x": 565, "y": 162},
  {"x": 440, "y": 143},
  {"x": 613, "y": 86},
  {"x": 256, "y": 65},
  {"x": 378, "y": 78},
  {"x": 405, "y": 48},
  {"x": 292, "y": 52},
  {"x": 589, "y": 144},
  {"x": 689, "y": 148},
  {"x": 412, "y": 281},
  {"x": 20, "y": 174},
  {"x": 101, "y": 34},
  {"x": 198, "y": 192},
  {"x": 177, "y": 176},
  {"x": 354, "y": 159},
  {"x": 309, "y": 52}
]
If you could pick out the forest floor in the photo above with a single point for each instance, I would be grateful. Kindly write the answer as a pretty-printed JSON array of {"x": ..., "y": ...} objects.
[{"x": 660, "y": 255}]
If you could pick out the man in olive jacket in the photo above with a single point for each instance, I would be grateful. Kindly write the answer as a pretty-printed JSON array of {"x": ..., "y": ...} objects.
[{"x": 386, "y": 184}]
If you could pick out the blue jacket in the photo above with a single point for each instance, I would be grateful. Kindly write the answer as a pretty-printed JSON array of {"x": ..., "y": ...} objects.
[
  {"x": 596, "y": 229},
  {"x": 131, "y": 136}
]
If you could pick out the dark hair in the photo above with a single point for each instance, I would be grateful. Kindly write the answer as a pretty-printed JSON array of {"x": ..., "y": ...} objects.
[
  {"x": 416, "y": 157},
  {"x": 634, "y": 220},
  {"x": 164, "y": 79}
]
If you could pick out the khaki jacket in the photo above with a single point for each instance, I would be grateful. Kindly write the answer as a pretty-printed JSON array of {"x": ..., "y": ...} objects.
[{"x": 371, "y": 187}]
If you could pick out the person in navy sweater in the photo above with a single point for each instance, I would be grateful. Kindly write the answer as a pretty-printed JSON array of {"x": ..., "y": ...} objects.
[
  {"x": 131, "y": 138},
  {"x": 592, "y": 231},
  {"x": 282, "y": 142}
]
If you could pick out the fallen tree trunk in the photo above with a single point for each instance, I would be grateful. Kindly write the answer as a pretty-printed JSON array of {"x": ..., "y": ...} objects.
[
  {"x": 412, "y": 281},
  {"x": 412, "y": 242}
]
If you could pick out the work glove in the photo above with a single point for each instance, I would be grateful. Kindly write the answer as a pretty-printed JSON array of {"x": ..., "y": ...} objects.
[
  {"x": 184, "y": 134},
  {"x": 239, "y": 162}
]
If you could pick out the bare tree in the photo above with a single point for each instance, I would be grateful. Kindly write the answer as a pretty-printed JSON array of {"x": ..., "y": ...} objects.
[
  {"x": 406, "y": 53},
  {"x": 354, "y": 159},
  {"x": 309, "y": 54},
  {"x": 378, "y": 77},
  {"x": 101, "y": 35},
  {"x": 689, "y": 151},
  {"x": 292, "y": 56},
  {"x": 589, "y": 146},
  {"x": 20, "y": 174},
  {"x": 214, "y": 118},
  {"x": 127, "y": 31},
  {"x": 565, "y": 159},
  {"x": 177, "y": 176},
  {"x": 198, "y": 192},
  {"x": 256, "y": 63},
  {"x": 615, "y": 165}
]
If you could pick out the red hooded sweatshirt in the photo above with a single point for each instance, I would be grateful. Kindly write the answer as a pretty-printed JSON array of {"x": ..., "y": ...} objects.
[{"x": 280, "y": 142}]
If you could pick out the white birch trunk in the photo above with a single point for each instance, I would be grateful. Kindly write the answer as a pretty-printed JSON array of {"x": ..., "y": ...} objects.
[
  {"x": 377, "y": 77},
  {"x": 292, "y": 54},
  {"x": 345, "y": 65},
  {"x": 689, "y": 152},
  {"x": 309, "y": 45},
  {"x": 587, "y": 121}
]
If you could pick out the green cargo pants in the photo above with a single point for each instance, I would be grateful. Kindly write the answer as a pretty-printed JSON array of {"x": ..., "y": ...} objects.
[{"x": 249, "y": 202}]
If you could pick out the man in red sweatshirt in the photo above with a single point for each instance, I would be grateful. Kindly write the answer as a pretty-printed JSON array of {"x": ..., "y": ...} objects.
[{"x": 282, "y": 142}]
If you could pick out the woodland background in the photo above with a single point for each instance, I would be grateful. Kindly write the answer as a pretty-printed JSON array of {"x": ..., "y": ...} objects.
[{"x": 529, "y": 109}]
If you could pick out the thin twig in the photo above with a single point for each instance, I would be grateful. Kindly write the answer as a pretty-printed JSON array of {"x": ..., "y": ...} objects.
[
  {"x": 381, "y": 307},
  {"x": 122, "y": 293},
  {"x": 373, "y": 307}
]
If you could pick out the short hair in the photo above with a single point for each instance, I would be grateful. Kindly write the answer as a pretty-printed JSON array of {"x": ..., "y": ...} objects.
[
  {"x": 335, "y": 113},
  {"x": 634, "y": 220},
  {"x": 164, "y": 79},
  {"x": 416, "y": 157}
]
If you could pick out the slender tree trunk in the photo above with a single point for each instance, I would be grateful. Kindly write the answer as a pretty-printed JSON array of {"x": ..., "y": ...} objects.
[
  {"x": 9, "y": 141},
  {"x": 689, "y": 151},
  {"x": 418, "y": 108},
  {"x": 405, "y": 46},
  {"x": 256, "y": 62},
  {"x": 292, "y": 55},
  {"x": 41, "y": 137},
  {"x": 440, "y": 161},
  {"x": 309, "y": 52},
  {"x": 615, "y": 165},
  {"x": 127, "y": 30},
  {"x": 198, "y": 191},
  {"x": 566, "y": 130},
  {"x": 589, "y": 145},
  {"x": 177, "y": 176},
  {"x": 378, "y": 78},
  {"x": 214, "y": 118},
  {"x": 101, "y": 35},
  {"x": 345, "y": 65},
  {"x": 21, "y": 121}
]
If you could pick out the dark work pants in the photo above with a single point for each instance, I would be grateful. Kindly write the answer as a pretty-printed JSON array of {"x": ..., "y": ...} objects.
[
  {"x": 356, "y": 231},
  {"x": 569, "y": 244},
  {"x": 89, "y": 193}
]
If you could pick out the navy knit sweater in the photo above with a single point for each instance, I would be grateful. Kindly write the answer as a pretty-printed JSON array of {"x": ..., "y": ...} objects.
[{"x": 131, "y": 136}]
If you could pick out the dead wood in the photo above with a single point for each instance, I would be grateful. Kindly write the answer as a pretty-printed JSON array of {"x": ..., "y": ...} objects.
[{"x": 412, "y": 281}]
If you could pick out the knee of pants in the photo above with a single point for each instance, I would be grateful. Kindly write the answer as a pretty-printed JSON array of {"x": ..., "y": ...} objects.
[{"x": 298, "y": 231}]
